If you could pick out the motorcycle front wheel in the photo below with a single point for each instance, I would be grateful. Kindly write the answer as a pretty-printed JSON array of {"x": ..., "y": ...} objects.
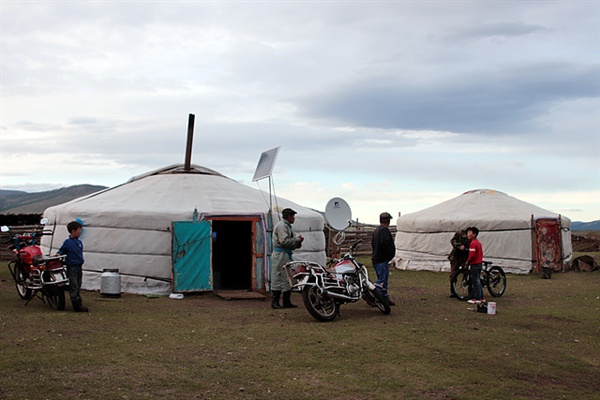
[
  {"x": 19, "y": 277},
  {"x": 56, "y": 298},
  {"x": 322, "y": 308},
  {"x": 376, "y": 299}
]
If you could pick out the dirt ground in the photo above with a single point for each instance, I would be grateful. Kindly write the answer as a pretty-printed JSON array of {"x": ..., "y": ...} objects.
[{"x": 588, "y": 243}]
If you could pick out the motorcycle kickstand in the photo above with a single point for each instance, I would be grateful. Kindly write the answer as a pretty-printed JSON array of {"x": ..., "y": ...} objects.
[{"x": 34, "y": 294}]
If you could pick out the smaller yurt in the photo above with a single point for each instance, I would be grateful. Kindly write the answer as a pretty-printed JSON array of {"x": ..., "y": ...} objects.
[
  {"x": 516, "y": 235},
  {"x": 182, "y": 229}
]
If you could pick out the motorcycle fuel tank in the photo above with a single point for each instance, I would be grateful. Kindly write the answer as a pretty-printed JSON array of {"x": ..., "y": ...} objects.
[
  {"x": 344, "y": 267},
  {"x": 26, "y": 254}
]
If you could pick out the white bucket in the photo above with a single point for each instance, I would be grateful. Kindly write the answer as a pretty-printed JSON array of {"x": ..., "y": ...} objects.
[{"x": 491, "y": 308}]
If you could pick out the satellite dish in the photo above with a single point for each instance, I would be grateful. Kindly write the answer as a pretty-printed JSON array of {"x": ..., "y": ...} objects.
[{"x": 338, "y": 214}]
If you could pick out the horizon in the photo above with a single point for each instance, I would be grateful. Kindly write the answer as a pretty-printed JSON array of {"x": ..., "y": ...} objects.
[{"x": 318, "y": 209}]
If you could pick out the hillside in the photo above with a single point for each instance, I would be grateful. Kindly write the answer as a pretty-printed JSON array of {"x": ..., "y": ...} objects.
[
  {"x": 19, "y": 202},
  {"x": 585, "y": 226}
]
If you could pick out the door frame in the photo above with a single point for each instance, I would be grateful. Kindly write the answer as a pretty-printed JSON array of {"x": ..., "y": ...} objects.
[{"x": 260, "y": 242}]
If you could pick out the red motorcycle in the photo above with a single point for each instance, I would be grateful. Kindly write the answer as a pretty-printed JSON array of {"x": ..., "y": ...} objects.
[{"x": 36, "y": 275}]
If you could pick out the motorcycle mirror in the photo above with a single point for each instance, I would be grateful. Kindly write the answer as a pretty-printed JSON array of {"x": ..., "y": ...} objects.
[
  {"x": 44, "y": 221},
  {"x": 4, "y": 228}
]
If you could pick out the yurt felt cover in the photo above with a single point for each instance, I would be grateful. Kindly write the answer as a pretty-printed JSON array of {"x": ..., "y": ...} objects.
[
  {"x": 128, "y": 227},
  {"x": 505, "y": 225}
]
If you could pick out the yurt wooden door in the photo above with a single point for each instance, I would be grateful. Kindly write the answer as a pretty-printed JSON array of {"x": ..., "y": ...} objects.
[
  {"x": 192, "y": 271},
  {"x": 548, "y": 244}
]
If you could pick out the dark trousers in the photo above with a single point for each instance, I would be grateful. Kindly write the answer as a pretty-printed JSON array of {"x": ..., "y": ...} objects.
[
  {"x": 75, "y": 274},
  {"x": 454, "y": 266}
]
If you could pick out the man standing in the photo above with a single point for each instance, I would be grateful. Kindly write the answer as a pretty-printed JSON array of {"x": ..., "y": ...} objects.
[
  {"x": 384, "y": 250},
  {"x": 459, "y": 254},
  {"x": 475, "y": 260},
  {"x": 284, "y": 241}
]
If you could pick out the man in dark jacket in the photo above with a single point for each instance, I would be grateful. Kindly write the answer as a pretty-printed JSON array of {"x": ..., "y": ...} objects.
[
  {"x": 459, "y": 254},
  {"x": 384, "y": 250}
]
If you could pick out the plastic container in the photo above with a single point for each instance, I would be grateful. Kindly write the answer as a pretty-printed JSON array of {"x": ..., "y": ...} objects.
[
  {"x": 491, "y": 308},
  {"x": 110, "y": 283}
]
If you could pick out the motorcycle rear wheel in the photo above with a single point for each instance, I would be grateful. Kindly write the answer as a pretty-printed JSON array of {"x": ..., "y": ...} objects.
[
  {"x": 19, "y": 277},
  {"x": 56, "y": 298},
  {"x": 379, "y": 301},
  {"x": 322, "y": 308}
]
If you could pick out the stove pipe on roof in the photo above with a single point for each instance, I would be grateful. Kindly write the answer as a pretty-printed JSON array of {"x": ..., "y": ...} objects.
[{"x": 190, "y": 139}]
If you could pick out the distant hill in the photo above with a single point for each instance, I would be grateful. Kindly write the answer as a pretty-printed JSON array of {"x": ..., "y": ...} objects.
[
  {"x": 585, "y": 226},
  {"x": 19, "y": 202}
]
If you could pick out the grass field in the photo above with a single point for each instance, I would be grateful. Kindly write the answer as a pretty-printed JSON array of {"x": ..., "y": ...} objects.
[{"x": 542, "y": 344}]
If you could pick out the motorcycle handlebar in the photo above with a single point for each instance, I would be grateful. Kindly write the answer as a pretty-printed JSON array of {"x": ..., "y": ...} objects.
[
  {"x": 355, "y": 244},
  {"x": 32, "y": 235}
]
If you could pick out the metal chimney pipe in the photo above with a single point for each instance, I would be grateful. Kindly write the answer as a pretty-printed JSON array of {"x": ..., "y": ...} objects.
[{"x": 190, "y": 139}]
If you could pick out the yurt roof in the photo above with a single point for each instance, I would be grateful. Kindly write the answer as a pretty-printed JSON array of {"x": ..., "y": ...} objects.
[
  {"x": 173, "y": 193},
  {"x": 486, "y": 209},
  {"x": 178, "y": 169}
]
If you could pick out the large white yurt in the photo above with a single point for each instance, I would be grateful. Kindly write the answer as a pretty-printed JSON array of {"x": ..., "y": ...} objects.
[
  {"x": 516, "y": 235},
  {"x": 181, "y": 229}
]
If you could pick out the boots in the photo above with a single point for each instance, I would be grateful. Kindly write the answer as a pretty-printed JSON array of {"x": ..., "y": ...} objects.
[
  {"x": 287, "y": 302},
  {"x": 78, "y": 307},
  {"x": 275, "y": 300}
]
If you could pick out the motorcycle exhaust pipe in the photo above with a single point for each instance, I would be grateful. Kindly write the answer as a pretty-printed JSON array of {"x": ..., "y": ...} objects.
[{"x": 338, "y": 296}]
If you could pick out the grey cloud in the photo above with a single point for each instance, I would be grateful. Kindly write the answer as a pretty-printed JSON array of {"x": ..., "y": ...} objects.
[
  {"x": 494, "y": 30},
  {"x": 497, "y": 101}
]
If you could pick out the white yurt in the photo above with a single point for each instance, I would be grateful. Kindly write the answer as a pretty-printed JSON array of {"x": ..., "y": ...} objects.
[
  {"x": 516, "y": 235},
  {"x": 181, "y": 229}
]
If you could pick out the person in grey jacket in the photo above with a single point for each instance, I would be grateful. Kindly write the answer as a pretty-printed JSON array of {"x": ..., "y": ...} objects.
[{"x": 284, "y": 242}]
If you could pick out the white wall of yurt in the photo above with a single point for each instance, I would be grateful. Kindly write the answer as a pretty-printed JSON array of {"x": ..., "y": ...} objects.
[
  {"x": 505, "y": 224},
  {"x": 128, "y": 227}
]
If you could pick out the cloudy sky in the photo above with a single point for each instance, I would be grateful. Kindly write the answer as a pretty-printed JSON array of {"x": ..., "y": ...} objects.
[{"x": 393, "y": 105}]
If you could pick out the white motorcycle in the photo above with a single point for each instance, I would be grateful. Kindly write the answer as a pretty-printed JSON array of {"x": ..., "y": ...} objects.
[{"x": 325, "y": 289}]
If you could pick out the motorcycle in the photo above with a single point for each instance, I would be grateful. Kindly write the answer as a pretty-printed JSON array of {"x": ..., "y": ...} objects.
[
  {"x": 36, "y": 275},
  {"x": 325, "y": 289}
]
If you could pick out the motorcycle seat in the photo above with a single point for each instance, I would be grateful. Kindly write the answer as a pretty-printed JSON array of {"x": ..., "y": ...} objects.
[{"x": 37, "y": 260}]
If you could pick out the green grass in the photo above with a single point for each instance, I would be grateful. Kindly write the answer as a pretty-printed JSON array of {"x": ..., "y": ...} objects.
[{"x": 542, "y": 344}]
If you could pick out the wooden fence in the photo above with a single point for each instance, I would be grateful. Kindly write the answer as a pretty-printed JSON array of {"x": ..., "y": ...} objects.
[{"x": 352, "y": 234}]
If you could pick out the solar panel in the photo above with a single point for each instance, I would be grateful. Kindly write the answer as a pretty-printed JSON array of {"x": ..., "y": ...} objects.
[{"x": 264, "y": 169}]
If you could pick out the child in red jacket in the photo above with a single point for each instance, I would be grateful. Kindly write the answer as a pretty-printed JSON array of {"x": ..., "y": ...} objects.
[{"x": 475, "y": 260}]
